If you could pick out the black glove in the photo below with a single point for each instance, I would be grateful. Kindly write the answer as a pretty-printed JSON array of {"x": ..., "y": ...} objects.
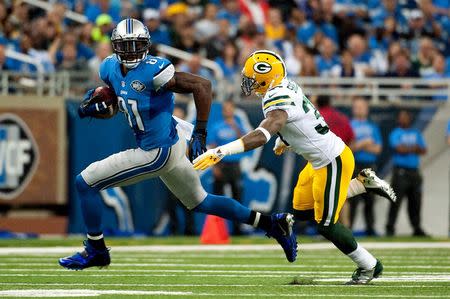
[
  {"x": 197, "y": 144},
  {"x": 91, "y": 108}
]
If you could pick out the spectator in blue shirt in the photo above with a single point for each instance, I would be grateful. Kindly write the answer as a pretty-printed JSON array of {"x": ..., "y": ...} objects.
[
  {"x": 388, "y": 8},
  {"x": 308, "y": 31},
  {"x": 159, "y": 33},
  {"x": 366, "y": 148},
  {"x": 229, "y": 171},
  {"x": 228, "y": 62},
  {"x": 357, "y": 45},
  {"x": 448, "y": 133},
  {"x": 408, "y": 145},
  {"x": 439, "y": 73},
  {"x": 94, "y": 9},
  {"x": 327, "y": 61},
  {"x": 232, "y": 14}
]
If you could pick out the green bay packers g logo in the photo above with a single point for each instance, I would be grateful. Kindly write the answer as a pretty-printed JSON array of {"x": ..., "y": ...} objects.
[{"x": 262, "y": 67}]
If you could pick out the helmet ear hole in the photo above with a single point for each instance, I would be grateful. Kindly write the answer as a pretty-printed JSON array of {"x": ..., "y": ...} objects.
[{"x": 263, "y": 83}]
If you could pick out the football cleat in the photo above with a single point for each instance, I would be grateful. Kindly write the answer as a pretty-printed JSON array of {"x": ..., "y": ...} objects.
[
  {"x": 281, "y": 231},
  {"x": 374, "y": 184},
  {"x": 90, "y": 257},
  {"x": 362, "y": 276}
]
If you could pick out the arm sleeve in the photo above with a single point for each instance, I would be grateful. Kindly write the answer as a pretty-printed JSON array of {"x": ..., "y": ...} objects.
[
  {"x": 164, "y": 72},
  {"x": 377, "y": 135},
  {"x": 278, "y": 101},
  {"x": 421, "y": 140},
  {"x": 393, "y": 139}
]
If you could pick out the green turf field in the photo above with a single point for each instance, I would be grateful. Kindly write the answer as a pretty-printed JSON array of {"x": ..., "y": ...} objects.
[{"x": 166, "y": 271}]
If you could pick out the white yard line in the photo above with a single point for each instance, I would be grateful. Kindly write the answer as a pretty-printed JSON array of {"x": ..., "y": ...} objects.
[
  {"x": 187, "y": 257},
  {"x": 84, "y": 293},
  {"x": 245, "y": 266},
  {"x": 214, "y": 248},
  {"x": 94, "y": 293},
  {"x": 181, "y": 285},
  {"x": 442, "y": 277},
  {"x": 131, "y": 272}
]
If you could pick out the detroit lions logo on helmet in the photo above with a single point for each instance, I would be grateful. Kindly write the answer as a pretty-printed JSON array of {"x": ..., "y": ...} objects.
[
  {"x": 262, "y": 67},
  {"x": 137, "y": 85},
  {"x": 19, "y": 156}
]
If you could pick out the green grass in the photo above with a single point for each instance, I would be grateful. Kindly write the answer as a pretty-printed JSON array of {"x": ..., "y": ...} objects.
[
  {"x": 115, "y": 241},
  {"x": 409, "y": 273}
]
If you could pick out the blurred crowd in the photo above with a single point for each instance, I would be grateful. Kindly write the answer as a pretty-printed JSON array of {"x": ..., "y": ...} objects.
[{"x": 344, "y": 38}]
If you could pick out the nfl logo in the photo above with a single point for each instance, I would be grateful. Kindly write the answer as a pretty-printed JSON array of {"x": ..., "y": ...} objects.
[{"x": 137, "y": 85}]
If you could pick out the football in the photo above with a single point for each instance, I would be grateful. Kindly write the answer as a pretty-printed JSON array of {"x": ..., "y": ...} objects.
[{"x": 107, "y": 95}]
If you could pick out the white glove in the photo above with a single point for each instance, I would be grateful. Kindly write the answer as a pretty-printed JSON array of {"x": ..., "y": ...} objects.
[{"x": 280, "y": 147}]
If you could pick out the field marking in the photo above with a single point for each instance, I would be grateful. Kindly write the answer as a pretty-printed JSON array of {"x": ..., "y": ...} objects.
[
  {"x": 312, "y": 275},
  {"x": 215, "y": 248},
  {"x": 94, "y": 293},
  {"x": 83, "y": 293},
  {"x": 281, "y": 272},
  {"x": 287, "y": 266},
  {"x": 210, "y": 285},
  {"x": 187, "y": 257}
]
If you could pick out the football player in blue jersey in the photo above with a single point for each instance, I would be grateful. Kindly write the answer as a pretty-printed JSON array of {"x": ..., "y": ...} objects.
[{"x": 144, "y": 85}]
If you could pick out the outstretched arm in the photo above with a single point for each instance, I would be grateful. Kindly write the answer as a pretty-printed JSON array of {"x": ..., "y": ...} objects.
[
  {"x": 274, "y": 121},
  {"x": 202, "y": 92}
]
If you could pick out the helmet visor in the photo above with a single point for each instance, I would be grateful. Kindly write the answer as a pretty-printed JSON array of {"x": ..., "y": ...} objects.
[{"x": 132, "y": 50}]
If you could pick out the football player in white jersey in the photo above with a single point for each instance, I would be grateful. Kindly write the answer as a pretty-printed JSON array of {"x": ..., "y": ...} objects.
[{"x": 326, "y": 181}]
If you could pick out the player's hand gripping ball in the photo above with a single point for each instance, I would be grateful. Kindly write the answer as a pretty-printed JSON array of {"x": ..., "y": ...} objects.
[{"x": 101, "y": 102}]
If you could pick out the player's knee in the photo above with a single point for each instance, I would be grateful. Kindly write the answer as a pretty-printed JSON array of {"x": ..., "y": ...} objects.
[
  {"x": 304, "y": 215},
  {"x": 81, "y": 184},
  {"x": 325, "y": 230}
]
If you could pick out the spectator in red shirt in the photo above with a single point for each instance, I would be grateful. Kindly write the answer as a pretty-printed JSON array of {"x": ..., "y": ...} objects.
[
  {"x": 339, "y": 123},
  {"x": 256, "y": 10}
]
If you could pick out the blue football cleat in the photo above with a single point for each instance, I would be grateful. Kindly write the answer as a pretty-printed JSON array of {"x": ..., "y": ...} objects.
[
  {"x": 90, "y": 257},
  {"x": 281, "y": 231}
]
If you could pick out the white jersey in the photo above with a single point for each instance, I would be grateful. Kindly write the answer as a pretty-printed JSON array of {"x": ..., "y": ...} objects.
[{"x": 305, "y": 131}]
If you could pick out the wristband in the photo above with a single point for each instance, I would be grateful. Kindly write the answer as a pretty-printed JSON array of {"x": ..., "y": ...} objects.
[
  {"x": 234, "y": 147},
  {"x": 265, "y": 132},
  {"x": 201, "y": 125}
]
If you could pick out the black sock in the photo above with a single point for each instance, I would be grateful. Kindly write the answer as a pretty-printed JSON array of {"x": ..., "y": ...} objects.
[
  {"x": 96, "y": 240},
  {"x": 263, "y": 222}
]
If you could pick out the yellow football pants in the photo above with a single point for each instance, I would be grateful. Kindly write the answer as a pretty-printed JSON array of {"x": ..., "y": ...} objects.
[{"x": 325, "y": 189}]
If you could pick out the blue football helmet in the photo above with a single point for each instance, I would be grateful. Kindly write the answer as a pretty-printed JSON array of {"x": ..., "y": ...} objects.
[{"x": 130, "y": 42}]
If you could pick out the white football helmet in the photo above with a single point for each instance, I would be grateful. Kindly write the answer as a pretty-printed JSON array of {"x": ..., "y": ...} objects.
[{"x": 130, "y": 42}]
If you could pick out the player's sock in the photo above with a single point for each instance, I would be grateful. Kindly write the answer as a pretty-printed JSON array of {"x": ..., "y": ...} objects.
[
  {"x": 231, "y": 209},
  {"x": 340, "y": 236},
  {"x": 355, "y": 188},
  {"x": 91, "y": 205},
  {"x": 259, "y": 220},
  {"x": 363, "y": 258},
  {"x": 96, "y": 240}
]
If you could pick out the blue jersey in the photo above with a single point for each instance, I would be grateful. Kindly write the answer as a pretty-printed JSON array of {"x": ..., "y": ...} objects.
[
  {"x": 448, "y": 129},
  {"x": 407, "y": 137},
  {"x": 363, "y": 130},
  {"x": 142, "y": 98}
]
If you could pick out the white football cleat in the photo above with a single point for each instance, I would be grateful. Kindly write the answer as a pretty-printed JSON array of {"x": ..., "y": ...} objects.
[{"x": 374, "y": 184}]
